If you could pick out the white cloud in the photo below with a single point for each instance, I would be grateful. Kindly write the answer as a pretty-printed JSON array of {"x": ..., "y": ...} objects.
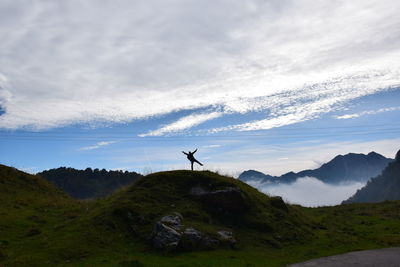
[
  {"x": 98, "y": 145},
  {"x": 183, "y": 123},
  {"x": 211, "y": 146},
  {"x": 369, "y": 112},
  {"x": 311, "y": 101},
  {"x": 283, "y": 158},
  {"x": 84, "y": 62},
  {"x": 310, "y": 192}
]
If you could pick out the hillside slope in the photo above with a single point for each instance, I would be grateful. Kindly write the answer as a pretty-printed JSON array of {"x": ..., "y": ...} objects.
[
  {"x": 350, "y": 167},
  {"x": 386, "y": 186},
  {"x": 30, "y": 210}
]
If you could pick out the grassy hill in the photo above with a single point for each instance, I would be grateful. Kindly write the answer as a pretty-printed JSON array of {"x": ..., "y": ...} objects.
[
  {"x": 30, "y": 210},
  {"x": 41, "y": 226},
  {"x": 260, "y": 219}
]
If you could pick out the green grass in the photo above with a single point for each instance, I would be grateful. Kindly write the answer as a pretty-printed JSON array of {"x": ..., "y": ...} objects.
[{"x": 41, "y": 226}]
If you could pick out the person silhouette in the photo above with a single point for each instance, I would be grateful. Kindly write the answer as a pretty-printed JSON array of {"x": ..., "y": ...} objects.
[{"x": 191, "y": 158}]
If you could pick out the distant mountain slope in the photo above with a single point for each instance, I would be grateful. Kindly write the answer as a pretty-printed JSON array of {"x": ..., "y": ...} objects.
[
  {"x": 383, "y": 187},
  {"x": 350, "y": 167},
  {"x": 83, "y": 184}
]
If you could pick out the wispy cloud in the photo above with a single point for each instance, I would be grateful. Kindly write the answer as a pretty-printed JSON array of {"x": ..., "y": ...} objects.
[
  {"x": 98, "y": 145},
  {"x": 211, "y": 146},
  {"x": 82, "y": 62},
  {"x": 311, "y": 101},
  {"x": 183, "y": 123},
  {"x": 368, "y": 112}
]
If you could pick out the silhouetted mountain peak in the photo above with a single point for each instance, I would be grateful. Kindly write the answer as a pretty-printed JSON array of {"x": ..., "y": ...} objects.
[
  {"x": 386, "y": 186},
  {"x": 342, "y": 168},
  {"x": 253, "y": 172},
  {"x": 255, "y": 175}
]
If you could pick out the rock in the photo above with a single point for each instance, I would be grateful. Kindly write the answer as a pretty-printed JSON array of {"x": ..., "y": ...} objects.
[
  {"x": 174, "y": 220},
  {"x": 278, "y": 202},
  {"x": 398, "y": 156},
  {"x": 225, "y": 235},
  {"x": 191, "y": 239},
  {"x": 165, "y": 237},
  {"x": 227, "y": 200},
  {"x": 168, "y": 235},
  {"x": 210, "y": 243},
  {"x": 227, "y": 238}
]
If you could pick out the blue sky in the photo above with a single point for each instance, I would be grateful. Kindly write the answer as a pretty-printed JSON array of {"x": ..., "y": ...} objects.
[{"x": 269, "y": 85}]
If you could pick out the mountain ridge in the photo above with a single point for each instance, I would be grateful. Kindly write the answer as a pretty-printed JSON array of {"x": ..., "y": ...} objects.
[
  {"x": 383, "y": 187},
  {"x": 342, "y": 168}
]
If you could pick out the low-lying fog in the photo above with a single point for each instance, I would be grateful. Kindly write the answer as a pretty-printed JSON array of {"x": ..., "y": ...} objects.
[{"x": 309, "y": 191}]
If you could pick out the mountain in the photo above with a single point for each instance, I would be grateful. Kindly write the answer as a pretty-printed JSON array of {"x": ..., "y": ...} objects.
[
  {"x": 381, "y": 188},
  {"x": 84, "y": 184},
  {"x": 350, "y": 167}
]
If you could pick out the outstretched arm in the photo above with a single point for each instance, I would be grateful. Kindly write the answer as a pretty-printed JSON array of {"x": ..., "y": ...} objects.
[
  {"x": 194, "y": 151},
  {"x": 184, "y": 153}
]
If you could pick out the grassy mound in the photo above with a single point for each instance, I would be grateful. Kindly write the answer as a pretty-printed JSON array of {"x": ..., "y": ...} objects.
[{"x": 268, "y": 221}]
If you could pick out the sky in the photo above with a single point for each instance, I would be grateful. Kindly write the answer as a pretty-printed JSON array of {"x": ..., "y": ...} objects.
[{"x": 274, "y": 86}]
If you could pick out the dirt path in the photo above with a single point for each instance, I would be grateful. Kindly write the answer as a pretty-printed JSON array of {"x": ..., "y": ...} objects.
[{"x": 387, "y": 257}]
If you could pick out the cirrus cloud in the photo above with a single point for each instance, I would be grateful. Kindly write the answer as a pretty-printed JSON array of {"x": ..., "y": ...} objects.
[
  {"x": 117, "y": 61},
  {"x": 98, "y": 145},
  {"x": 367, "y": 112}
]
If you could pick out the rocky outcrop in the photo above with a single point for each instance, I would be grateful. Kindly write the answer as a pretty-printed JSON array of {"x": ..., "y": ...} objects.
[
  {"x": 228, "y": 200},
  {"x": 174, "y": 220},
  {"x": 170, "y": 235},
  {"x": 193, "y": 239},
  {"x": 165, "y": 237},
  {"x": 227, "y": 238}
]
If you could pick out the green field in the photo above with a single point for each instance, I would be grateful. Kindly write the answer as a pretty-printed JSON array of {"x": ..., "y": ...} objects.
[{"x": 41, "y": 226}]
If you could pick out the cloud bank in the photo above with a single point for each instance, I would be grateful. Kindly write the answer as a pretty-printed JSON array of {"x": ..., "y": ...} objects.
[
  {"x": 85, "y": 62},
  {"x": 310, "y": 192}
]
